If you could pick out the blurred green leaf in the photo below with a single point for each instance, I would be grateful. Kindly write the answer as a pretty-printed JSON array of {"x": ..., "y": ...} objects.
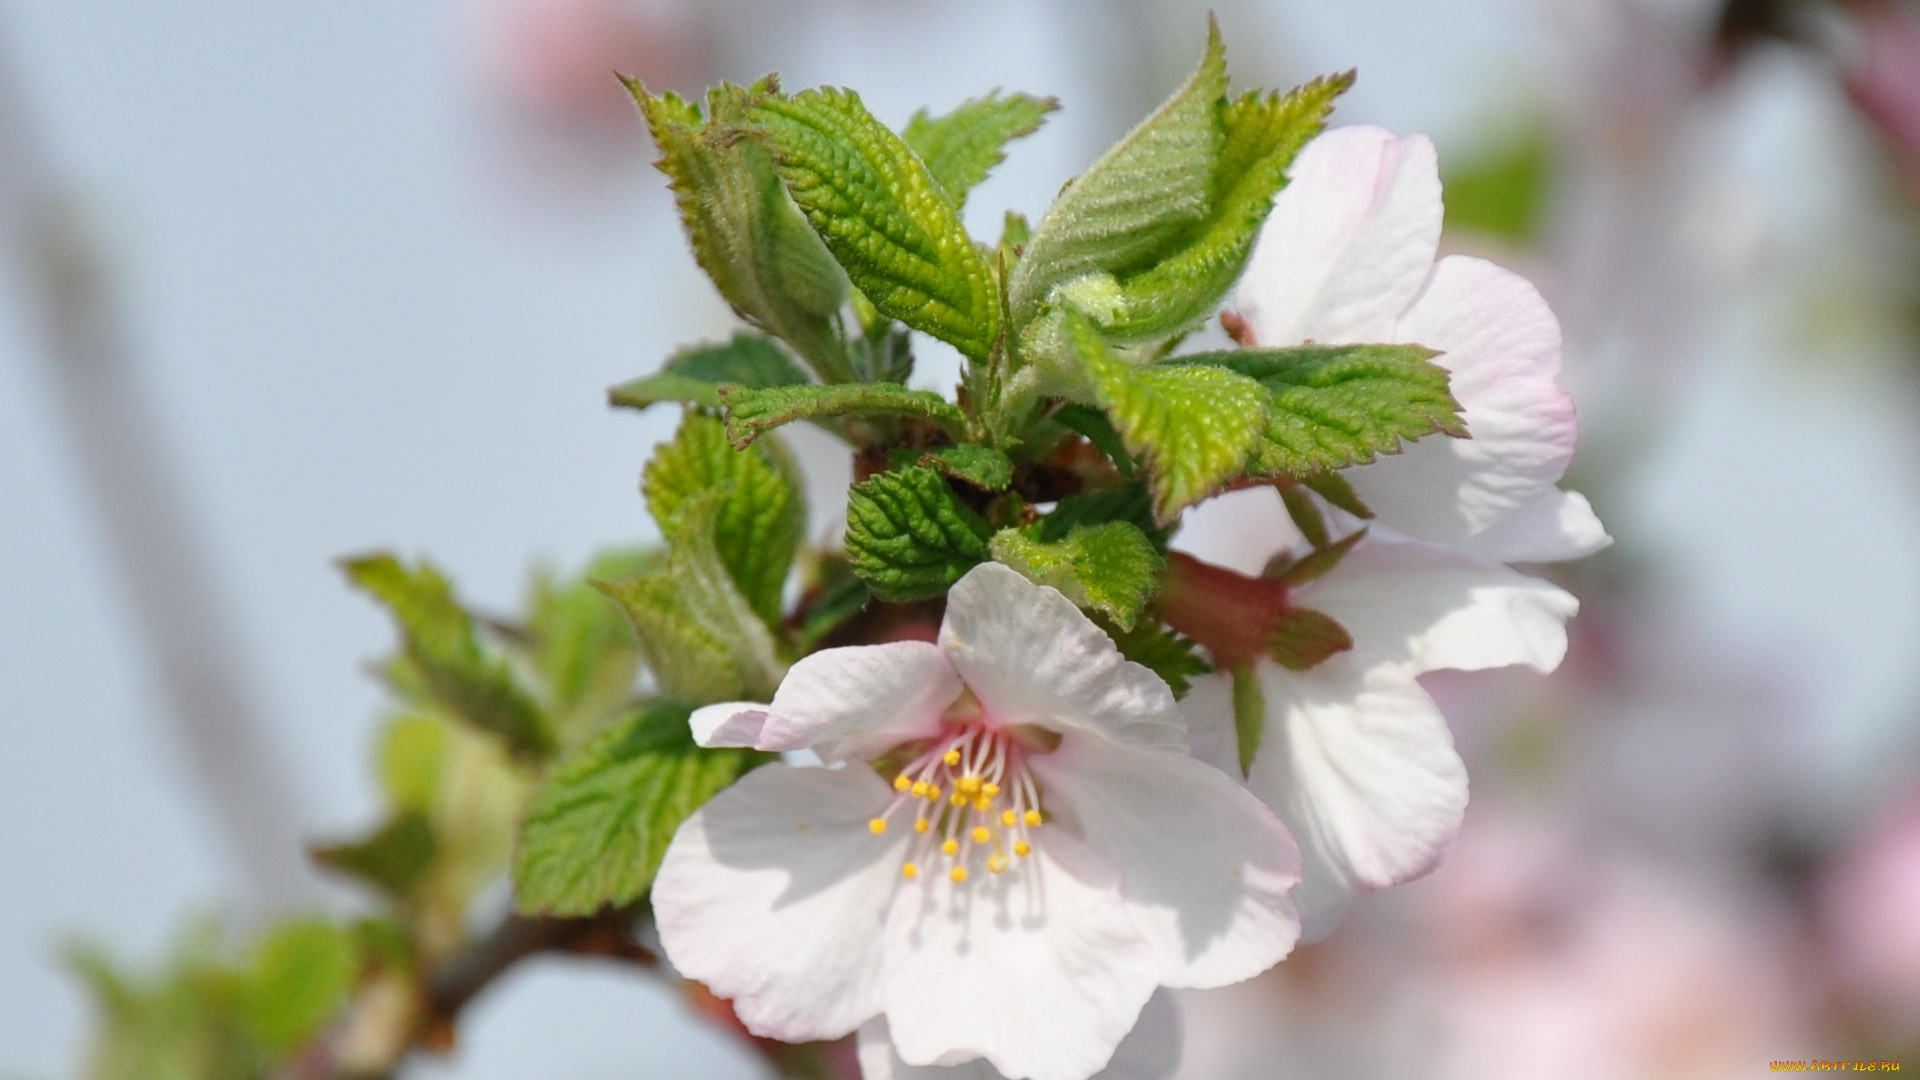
[
  {"x": 301, "y": 974},
  {"x": 695, "y": 374},
  {"x": 1503, "y": 192},
  {"x": 394, "y": 860},
  {"x": 582, "y": 646}
]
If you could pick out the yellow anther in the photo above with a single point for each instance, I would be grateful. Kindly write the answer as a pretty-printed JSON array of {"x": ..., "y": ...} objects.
[
  {"x": 958, "y": 799},
  {"x": 951, "y": 847},
  {"x": 933, "y": 794},
  {"x": 982, "y": 803},
  {"x": 969, "y": 784},
  {"x": 981, "y": 835},
  {"x": 997, "y": 864},
  {"x": 901, "y": 783},
  {"x": 877, "y": 825},
  {"x": 959, "y": 874},
  {"x": 1009, "y": 818},
  {"x": 990, "y": 789},
  {"x": 910, "y": 871},
  {"x": 920, "y": 787},
  {"x": 1022, "y": 849},
  {"x": 1033, "y": 819},
  {"x": 920, "y": 825},
  {"x": 952, "y": 757}
]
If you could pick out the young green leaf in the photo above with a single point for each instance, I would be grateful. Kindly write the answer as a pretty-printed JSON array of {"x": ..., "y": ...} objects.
[
  {"x": 1334, "y": 406},
  {"x": 298, "y": 981},
  {"x": 440, "y": 640},
  {"x": 1249, "y": 715},
  {"x": 695, "y": 374},
  {"x": 1136, "y": 200},
  {"x": 960, "y": 147},
  {"x": 883, "y": 216},
  {"x": 701, "y": 639},
  {"x": 1161, "y": 649},
  {"x": 909, "y": 536},
  {"x": 753, "y": 413},
  {"x": 1263, "y": 132},
  {"x": 582, "y": 646},
  {"x": 1192, "y": 425},
  {"x": 1110, "y": 568},
  {"x": 982, "y": 466},
  {"x": 598, "y": 825},
  {"x": 1132, "y": 504},
  {"x": 394, "y": 860},
  {"x": 762, "y": 511},
  {"x": 1336, "y": 489},
  {"x": 745, "y": 231},
  {"x": 840, "y": 602}
]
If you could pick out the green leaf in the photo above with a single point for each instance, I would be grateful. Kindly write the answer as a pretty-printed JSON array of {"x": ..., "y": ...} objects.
[
  {"x": 982, "y": 466},
  {"x": 909, "y": 537},
  {"x": 745, "y": 231},
  {"x": 599, "y": 823},
  {"x": 1193, "y": 426},
  {"x": 961, "y": 146},
  {"x": 413, "y": 756},
  {"x": 1336, "y": 489},
  {"x": 1249, "y": 716},
  {"x": 883, "y": 216},
  {"x": 840, "y": 602},
  {"x": 695, "y": 374},
  {"x": 301, "y": 973},
  {"x": 1110, "y": 568},
  {"x": 1163, "y": 650},
  {"x": 393, "y": 860},
  {"x": 1262, "y": 133},
  {"x": 762, "y": 512},
  {"x": 1318, "y": 562},
  {"x": 1303, "y": 638},
  {"x": 1503, "y": 191},
  {"x": 1305, "y": 513},
  {"x": 1335, "y": 406},
  {"x": 753, "y": 413},
  {"x": 1131, "y": 504},
  {"x": 582, "y": 646},
  {"x": 439, "y": 639},
  {"x": 1098, "y": 430},
  {"x": 1136, "y": 200},
  {"x": 701, "y": 639}
]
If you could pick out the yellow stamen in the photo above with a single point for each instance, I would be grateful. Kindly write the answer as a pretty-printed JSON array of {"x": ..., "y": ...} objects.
[
  {"x": 1009, "y": 818},
  {"x": 877, "y": 825},
  {"x": 982, "y": 803},
  {"x": 951, "y": 847},
  {"x": 996, "y": 864},
  {"x": 959, "y": 874},
  {"x": 981, "y": 835},
  {"x": 990, "y": 789},
  {"x": 1022, "y": 849},
  {"x": 958, "y": 799},
  {"x": 901, "y": 783},
  {"x": 933, "y": 794},
  {"x": 1033, "y": 819},
  {"x": 920, "y": 787},
  {"x": 920, "y": 825},
  {"x": 969, "y": 784},
  {"x": 910, "y": 871},
  {"x": 952, "y": 757}
]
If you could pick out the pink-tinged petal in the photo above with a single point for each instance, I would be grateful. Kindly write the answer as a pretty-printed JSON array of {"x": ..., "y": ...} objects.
[
  {"x": 1204, "y": 867},
  {"x": 1358, "y": 762},
  {"x": 858, "y": 701},
  {"x": 1425, "y": 607},
  {"x": 1349, "y": 243},
  {"x": 1208, "y": 711},
  {"x": 1040, "y": 970},
  {"x": 1557, "y": 526},
  {"x": 1501, "y": 344},
  {"x": 774, "y": 895},
  {"x": 1032, "y": 657},
  {"x": 731, "y": 723},
  {"x": 1151, "y": 1051}
]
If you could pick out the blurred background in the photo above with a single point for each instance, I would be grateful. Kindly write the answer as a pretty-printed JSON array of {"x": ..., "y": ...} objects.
[{"x": 285, "y": 282}]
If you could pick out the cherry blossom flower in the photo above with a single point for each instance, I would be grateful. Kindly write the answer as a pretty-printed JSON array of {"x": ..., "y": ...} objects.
[
  {"x": 1151, "y": 1051},
  {"x": 1009, "y": 849},
  {"x": 1356, "y": 757}
]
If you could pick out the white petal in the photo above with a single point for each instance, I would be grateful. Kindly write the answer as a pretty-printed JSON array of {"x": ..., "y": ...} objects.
[
  {"x": 1357, "y": 760},
  {"x": 1428, "y": 607},
  {"x": 732, "y": 723},
  {"x": 774, "y": 895},
  {"x": 1557, "y": 526},
  {"x": 1031, "y": 657},
  {"x": 857, "y": 701},
  {"x": 1349, "y": 243},
  {"x": 1204, "y": 867},
  {"x": 1502, "y": 345},
  {"x": 1208, "y": 711},
  {"x": 1041, "y": 971},
  {"x": 1151, "y": 1051}
]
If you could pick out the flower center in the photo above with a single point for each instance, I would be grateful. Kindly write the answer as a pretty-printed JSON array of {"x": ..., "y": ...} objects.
[{"x": 973, "y": 803}]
